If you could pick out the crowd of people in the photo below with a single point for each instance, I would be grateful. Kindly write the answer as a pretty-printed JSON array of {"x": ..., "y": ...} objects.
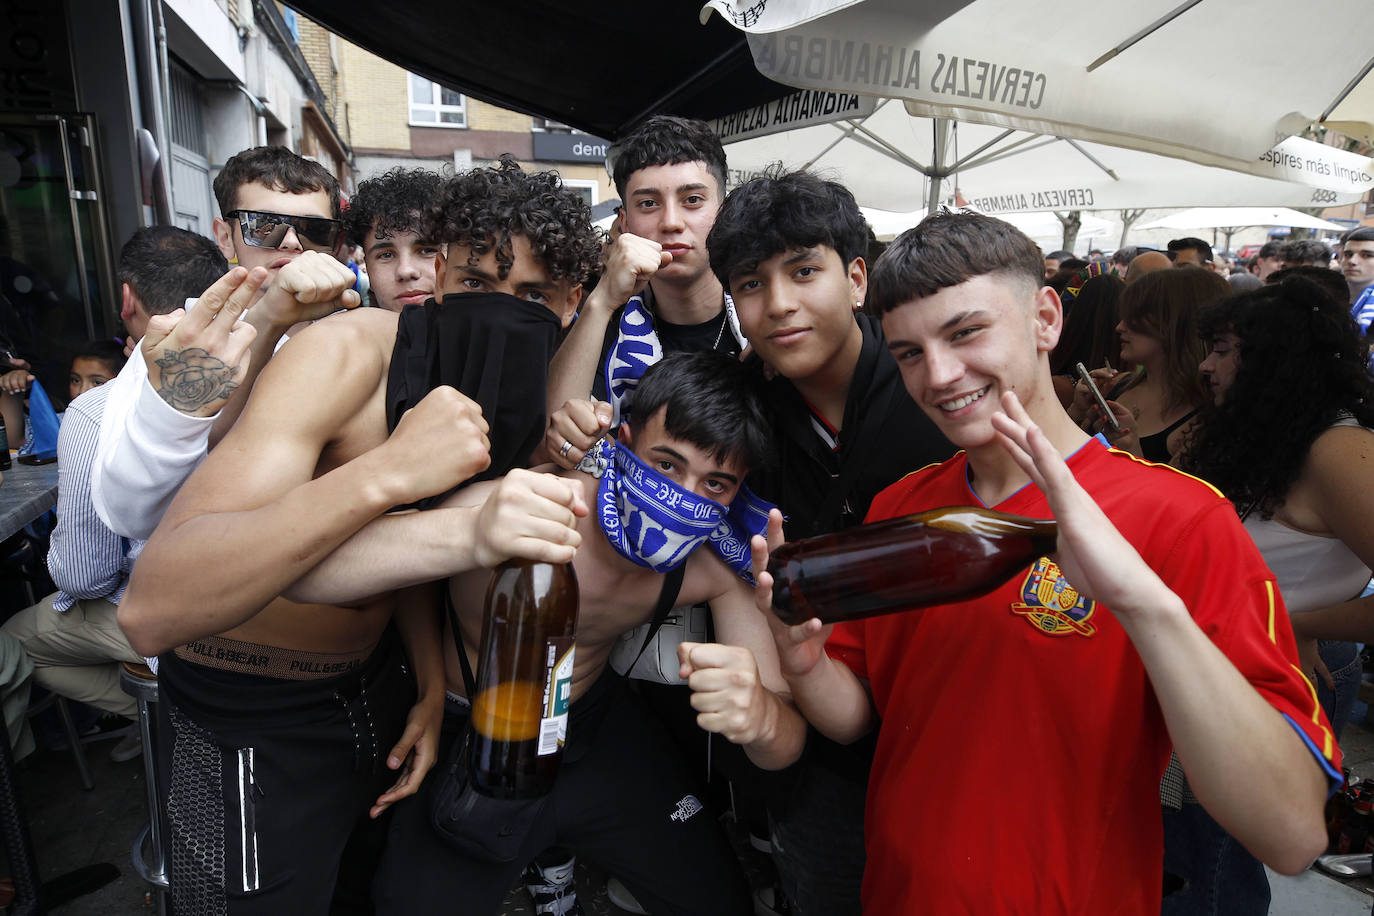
[{"x": 289, "y": 506}]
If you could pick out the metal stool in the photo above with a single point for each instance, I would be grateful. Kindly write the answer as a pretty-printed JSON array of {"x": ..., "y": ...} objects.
[{"x": 139, "y": 682}]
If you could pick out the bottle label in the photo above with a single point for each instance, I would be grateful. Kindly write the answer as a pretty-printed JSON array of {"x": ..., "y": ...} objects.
[{"x": 558, "y": 668}]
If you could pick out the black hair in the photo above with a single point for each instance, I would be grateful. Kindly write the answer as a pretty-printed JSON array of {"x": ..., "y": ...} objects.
[
  {"x": 1271, "y": 249},
  {"x": 391, "y": 203},
  {"x": 709, "y": 399},
  {"x": 1060, "y": 279},
  {"x": 1331, "y": 282},
  {"x": 1060, "y": 255},
  {"x": 1302, "y": 364},
  {"x": 781, "y": 211},
  {"x": 109, "y": 352},
  {"x": 275, "y": 167},
  {"x": 1072, "y": 263},
  {"x": 165, "y": 266},
  {"x": 484, "y": 208},
  {"x": 1359, "y": 234},
  {"x": 1307, "y": 251},
  {"x": 1190, "y": 243},
  {"x": 1090, "y": 320},
  {"x": 666, "y": 140},
  {"x": 946, "y": 249}
]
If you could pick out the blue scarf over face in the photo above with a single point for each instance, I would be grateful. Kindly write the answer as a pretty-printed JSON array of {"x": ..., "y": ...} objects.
[{"x": 653, "y": 522}]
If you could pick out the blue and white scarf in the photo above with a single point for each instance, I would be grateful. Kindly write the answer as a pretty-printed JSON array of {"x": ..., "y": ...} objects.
[
  {"x": 1363, "y": 308},
  {"x": 653, "y": 522},
  {"x": 637, "y": 348}
]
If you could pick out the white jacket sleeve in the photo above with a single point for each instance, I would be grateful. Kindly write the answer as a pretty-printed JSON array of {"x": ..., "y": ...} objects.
[{"x": 147, "y": 450}]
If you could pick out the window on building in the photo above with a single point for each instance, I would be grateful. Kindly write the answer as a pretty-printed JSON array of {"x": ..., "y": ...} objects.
[
  {"x": 588, "y": 189},
  {"x": 552, "y": 126},
  {"x": 293, "y": 26},
  {"x": 431, "y": 105}
]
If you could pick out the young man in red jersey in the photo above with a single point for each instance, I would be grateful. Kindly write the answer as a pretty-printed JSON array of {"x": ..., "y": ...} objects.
[{"x": 1172, "y": 636}]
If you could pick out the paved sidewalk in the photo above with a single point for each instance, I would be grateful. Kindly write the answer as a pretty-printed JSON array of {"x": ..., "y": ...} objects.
[{"x": 72, "y": 828}]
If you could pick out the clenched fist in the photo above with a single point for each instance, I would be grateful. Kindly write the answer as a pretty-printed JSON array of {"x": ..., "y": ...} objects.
[
  {"x": 439, "y": 443},
  {"x": 312, "y": 285}
]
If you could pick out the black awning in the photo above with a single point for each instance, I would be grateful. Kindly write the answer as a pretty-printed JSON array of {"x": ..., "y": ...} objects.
[{"x": 599, "y": 65}]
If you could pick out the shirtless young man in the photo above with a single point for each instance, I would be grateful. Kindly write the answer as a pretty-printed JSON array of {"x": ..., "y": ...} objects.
[
  {"x": 623, "y": 797},
  {"x": 282, "y": 714}
]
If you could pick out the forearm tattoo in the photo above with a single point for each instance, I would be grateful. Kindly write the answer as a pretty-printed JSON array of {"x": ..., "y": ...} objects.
[{"x": 192, "y": 378}]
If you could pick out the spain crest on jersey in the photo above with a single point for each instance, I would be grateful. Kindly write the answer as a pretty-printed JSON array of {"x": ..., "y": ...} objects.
[{"x": 1052, "y": 605}]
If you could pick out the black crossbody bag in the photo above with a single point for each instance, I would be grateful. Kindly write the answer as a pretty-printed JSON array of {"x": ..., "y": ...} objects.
[{"x": 494, "y": 829}]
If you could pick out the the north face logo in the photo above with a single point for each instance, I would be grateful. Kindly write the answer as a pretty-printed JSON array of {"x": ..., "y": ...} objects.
[{"x": 685, "y": 808}]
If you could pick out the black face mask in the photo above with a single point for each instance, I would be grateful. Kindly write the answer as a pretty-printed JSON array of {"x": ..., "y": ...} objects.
[{"x": 492, "y": 347}]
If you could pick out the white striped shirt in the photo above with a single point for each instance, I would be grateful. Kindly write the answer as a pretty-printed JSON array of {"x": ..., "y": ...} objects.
[{"x": 85, "y": 558}]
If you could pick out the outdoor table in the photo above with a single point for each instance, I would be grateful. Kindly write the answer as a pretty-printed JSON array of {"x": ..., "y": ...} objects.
[{"x": 26, "y": 492}]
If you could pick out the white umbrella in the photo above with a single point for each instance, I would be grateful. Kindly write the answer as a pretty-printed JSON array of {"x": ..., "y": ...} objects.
[
  {"x": 894, "y": 161},
  {"x": 1144, "y": 74},
  {"x": 1234, "y": 217},
  {"x": 1043, "y": 228}
]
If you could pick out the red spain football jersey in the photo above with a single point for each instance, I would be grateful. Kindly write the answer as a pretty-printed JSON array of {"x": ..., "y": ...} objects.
[{"x": 1021, "y": 746}]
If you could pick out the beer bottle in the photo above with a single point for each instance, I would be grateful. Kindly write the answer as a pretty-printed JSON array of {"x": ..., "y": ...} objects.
[
  {"x": 524, "y": 679},
  {"x": 934, "y": 557}
]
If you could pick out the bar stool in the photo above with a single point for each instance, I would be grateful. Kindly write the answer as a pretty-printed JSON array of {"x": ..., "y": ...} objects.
[{"x": 139, "y": 682}]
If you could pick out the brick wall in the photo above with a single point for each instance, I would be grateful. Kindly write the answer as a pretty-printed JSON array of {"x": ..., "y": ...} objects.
[
  {"x": 316, "y": 47},
  {"x": 485, "y": 116},
  {"x": 372, "y": 100}
]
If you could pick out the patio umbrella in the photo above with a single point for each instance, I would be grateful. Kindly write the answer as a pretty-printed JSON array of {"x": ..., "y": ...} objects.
[
  {"x": 1043, "y": 228},
  {"x": 894, "y": 161},
  {"x": 1237, "y": 217},
  {"x": 1143, "y": 74}
]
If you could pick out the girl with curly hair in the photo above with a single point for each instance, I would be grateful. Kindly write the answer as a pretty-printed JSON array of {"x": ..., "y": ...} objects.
[
  {"x": 1289, "y": 439},
  {"x": 1289, "y": 442},
  {"x": 1157, "y": 403}
]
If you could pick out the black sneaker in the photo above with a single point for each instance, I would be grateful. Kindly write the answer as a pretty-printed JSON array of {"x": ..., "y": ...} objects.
[{"x": 551, "y": 889}]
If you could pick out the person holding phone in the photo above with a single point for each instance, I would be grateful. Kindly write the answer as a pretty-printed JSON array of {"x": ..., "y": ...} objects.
[{"x": 1156, "y": 404}]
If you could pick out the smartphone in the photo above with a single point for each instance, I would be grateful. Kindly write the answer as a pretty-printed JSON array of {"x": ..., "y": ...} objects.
[{"x": 1097, "y": 395}]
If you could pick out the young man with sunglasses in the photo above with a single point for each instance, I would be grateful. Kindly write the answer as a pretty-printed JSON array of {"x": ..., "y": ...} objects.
[{"x": 280, "y": 213}]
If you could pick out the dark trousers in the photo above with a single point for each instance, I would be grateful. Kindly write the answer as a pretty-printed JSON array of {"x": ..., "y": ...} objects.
[
  {"x": 622, "y": 799},
  {"x": 1220, "y": 877},
  {"x": 818, "y": 833},
  {"x": 269, "y": 784}
]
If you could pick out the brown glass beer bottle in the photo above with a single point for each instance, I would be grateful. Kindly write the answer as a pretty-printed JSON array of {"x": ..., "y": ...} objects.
[
  {"x": 524, "y": 679},
  {"x": 934, "y": 557}
]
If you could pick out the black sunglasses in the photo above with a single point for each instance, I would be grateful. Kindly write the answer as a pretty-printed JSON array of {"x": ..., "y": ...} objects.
[{"x": 266, "y": 230}]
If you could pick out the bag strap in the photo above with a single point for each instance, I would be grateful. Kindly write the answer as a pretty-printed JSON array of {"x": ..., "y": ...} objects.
[
  {"x": 469, "y": 681},
  {"x": 667, "y": 597}
]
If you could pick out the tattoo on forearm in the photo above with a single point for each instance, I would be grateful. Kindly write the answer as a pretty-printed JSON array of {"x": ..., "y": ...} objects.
[{"x": 192, "y": 378}]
